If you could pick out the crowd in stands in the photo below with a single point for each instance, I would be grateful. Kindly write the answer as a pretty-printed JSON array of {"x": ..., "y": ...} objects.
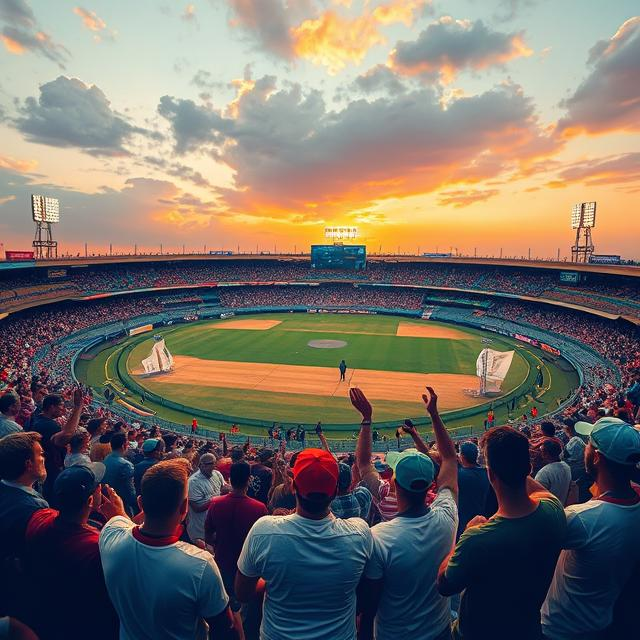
[
  {"x": 617, "y": 295},
  {"x": 109, "y": 529}
]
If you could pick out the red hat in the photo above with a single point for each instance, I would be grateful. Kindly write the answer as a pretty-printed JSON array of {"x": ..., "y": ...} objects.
[{"x": 316, "y": 471}]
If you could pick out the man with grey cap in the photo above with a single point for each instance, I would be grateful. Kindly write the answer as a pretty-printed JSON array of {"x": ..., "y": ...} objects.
[
  {"x": 601, "y": 548},
  {"x": 204, "y": 485},
  {"x": 399, "y": 586},
  {"x": 62, "y": 560}
]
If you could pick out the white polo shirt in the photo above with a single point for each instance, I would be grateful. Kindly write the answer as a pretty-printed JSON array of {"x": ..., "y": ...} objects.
[
  {"x": 201, "y": 490},
  {"x": 601, "y": 551},
  {"x": 312, "y": 569},
  {"x": 407, "y": 553},
  {"x": 159, "y": 591}
]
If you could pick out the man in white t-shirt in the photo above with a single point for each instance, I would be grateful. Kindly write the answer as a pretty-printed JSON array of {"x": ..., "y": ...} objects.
[
  {"x": 555, "y": 475},
  {"x": 160, "y": 586},
  {"x": 204, "y": 485},
  {"x": 601, "y": 547},
  {"x": 399, "y": 589},
  {"x": 310, "y": 560}
]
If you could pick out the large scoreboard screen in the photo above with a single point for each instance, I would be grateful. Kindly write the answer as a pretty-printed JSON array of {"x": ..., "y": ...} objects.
[{"x": 336, "y": 256}]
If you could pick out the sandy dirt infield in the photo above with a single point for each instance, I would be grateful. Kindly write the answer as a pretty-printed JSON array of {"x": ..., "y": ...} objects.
[
  {"x": 321, "y": 381},
  {"x": 252, "y": 325},
  {"x": 408, "y": 330}
]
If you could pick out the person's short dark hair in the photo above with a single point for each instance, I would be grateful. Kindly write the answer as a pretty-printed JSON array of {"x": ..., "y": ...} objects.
[
  {"x": 169, "y": 440},
  {"x": 78, "y": 438},
  {"x": 415, "y": 499},
  {"x": 7, "y": 401},
  {"x": 118, "y": 440},
  {"x": 52, "y": 400},
  {"x": 94, "y": 424},
  {"x": 16, "y": 450},
  {"x": 548, "y": 428},
  {"x": 314, "y": 502},
  {"x": 507, "y": 454},
  {"x": 237, "y": 454},
  {"x": 239, "y": 474},
  {"x": 551, "y": 447},
  {"x": 163, "y": 487}
]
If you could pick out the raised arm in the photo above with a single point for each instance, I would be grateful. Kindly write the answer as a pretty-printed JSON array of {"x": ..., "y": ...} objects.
[
  {"x": 409, "y": 428},
  {"x": 364, "y": 446},
  {"x": 71, "y": 425},
  {"x": 323, "y": 442},
  {"x": 448, "y": 476}
]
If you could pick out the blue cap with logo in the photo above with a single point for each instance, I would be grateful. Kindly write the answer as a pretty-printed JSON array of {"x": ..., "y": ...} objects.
[
  {"x": 613, "y": 438},
  {"x": 412, "y": 470}
]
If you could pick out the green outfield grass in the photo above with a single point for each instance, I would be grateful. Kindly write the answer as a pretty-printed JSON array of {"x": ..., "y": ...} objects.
[{"x": 371, "y": 344}]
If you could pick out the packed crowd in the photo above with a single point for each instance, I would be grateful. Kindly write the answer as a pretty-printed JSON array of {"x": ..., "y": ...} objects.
[
  {"x": 611, "y": 294},
  {"x": 111, "y": 530}
]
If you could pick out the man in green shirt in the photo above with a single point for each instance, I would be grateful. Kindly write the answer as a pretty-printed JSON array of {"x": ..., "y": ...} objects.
[{"x": 503, "y": 566}]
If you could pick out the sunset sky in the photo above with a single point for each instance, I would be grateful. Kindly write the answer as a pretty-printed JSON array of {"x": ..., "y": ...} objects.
[{"x": 465, "y": 124}]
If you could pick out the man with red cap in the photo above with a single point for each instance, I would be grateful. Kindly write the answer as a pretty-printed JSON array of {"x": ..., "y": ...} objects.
[{"x": 310, "y": 560}]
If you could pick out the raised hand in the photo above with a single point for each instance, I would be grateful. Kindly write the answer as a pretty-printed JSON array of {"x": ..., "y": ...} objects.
[
  {"x": 360, "y": 402},
  {"x": 431, "y": 400},
  {"x": 78, "y": 398},
  {"x": 112, "y": 504},
  {"x": 408, "y": 427}
]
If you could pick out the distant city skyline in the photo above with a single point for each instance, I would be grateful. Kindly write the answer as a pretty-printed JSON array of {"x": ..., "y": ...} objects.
[{"x": 253, "y": 124}]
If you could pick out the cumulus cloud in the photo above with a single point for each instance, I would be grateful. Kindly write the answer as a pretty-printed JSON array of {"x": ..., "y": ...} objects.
[
  {"x": 291, "y": 155},
  {"x": 326, "y": 36},
  {"x": 609, "y": 97},
  {"x": 70, "y": 113},
  {"x": 449, "y": 46},
  {"x": 379, "y": 78},
  {"x": 21, "y": 33},
  {"x": 459, "y": 198},
  {"x": 95, "y": 24}
]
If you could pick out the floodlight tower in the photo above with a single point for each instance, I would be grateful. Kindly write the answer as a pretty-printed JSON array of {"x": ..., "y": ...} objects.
[
  {"x": 46, "y": 211},
  {"x": 583, "y": 219}
]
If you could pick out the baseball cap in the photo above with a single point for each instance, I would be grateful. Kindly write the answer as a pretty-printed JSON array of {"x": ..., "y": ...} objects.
[
  {"x": 469, "y": 450},
  {"x": 412, "y": 470},
  {"x": 613, "y": 438},
  {"x": 75, "y": 484},
  {"x": 150, "y": 445},
  {"x": 316, "y": 471}
]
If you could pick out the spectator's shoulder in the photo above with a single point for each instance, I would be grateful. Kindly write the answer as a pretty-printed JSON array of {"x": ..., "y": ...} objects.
[
  {"x": 115, "y": 528},
  {"x": 355, "y": 525}
]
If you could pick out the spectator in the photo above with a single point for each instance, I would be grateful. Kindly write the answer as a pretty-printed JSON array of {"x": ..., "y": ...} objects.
[
  {"x": 261, "y": 477},
  {"x": 78, "y": 448},
  {"x": 204, "y": 485},
  {"x": 228, "y": 522},
  {"x": 101, "y": 448},
  {"x": 574, "y": 457},
  {"x": 9, "y": 410},
  {"x": 160, "y": 586},
  {"x": 349, "y": 503},
  {"x": 475, "y": 493},
  {"x": 153, "y": 450},
  {"x": 601, "y": 549},
  {"x": 399, "y": 589},
  {"x": 55, "y": 438},
  {"x": 504, "y": 565},
  {"x": 555, "y": 475},
  {"x": 119, "y": 473},
  {"x": 281, "y": 495},
  {"x": 62, "y": 562},
  {"x": 311, "y": 560},
  {"x": 96, "y": 427},
  {"x": 21, "y": 466}
]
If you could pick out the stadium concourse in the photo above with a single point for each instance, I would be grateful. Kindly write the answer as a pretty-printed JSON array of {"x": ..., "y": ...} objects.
[{"x": 535, "y": 524}]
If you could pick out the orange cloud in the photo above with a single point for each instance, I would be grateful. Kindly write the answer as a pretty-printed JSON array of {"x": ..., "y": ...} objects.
[
  {"x": 465, "y": 197},
  {"x": 334, "y": 41},
  {"x": 90, "y": 19},
  {"x": 12, "y": 46},
  {"x": 22, "y": 166}
]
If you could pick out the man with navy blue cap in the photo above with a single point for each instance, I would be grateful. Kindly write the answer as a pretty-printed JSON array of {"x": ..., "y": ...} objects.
[
  {"x": 401, "y": 599},
  {"x": 601, "y": 547}
]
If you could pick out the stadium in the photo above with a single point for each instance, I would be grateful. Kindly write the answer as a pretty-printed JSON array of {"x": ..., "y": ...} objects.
[{"x": 319, "y": 320}]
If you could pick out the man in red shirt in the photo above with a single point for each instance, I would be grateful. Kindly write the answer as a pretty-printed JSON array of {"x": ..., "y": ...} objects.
[
  {"x": 228, "y": 522},
  {"x": 62, "y": 562}
]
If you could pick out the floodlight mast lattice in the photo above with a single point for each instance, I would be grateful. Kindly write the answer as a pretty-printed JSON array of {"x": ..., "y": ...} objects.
[
  {"x": 45, "y": 211},
  {"x": 583, "y": 219}
]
